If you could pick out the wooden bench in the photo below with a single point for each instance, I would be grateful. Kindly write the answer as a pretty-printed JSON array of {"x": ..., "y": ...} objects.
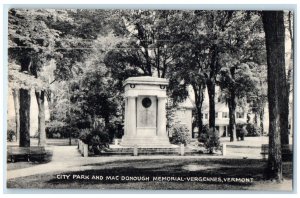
[
  {"x": 27, "y": 153},
  {"x": 37, "y": 152},
  {"x": 15, "y": 152},
  {"x": 287, "y": 151}
]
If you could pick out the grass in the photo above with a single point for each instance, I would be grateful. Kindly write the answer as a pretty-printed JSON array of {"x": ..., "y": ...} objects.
[{"x": 179, "y": 168}]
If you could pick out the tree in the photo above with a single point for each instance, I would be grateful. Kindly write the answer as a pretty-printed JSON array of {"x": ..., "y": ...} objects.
[
  {"x": 290, "y": 72},
  {"x": 17, "y": 107},
  {"x": 37, "y": 36},
  {"x": 277, "y": 89},
  {"x": 258, "y": 100},
  {"x": 151, "y": 38},
  {"x": 238, "y": 60},
  {"x": 188, "y": 71},
  {"x": 217, "y": 24},
  {"x": 236, "y": 81},
  {"x": 22, "y": 83},
  {"x": 30, "y": 43},
  {"x": 208, "y": 35},
  {"x": 93, "y": 97}
]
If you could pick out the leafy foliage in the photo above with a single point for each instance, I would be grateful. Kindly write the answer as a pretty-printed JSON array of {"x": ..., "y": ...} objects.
[
  {"x": 241, "y": 131},
  {"x": 11, "y": 135},
  {"x": 238, "y": 61},
  {"x": 180, "y": 135},
  {"x": 253, "y": 130},
  {"x": 204, "y": 134},
  {"x": 31, "y": 45},
  {"x": 212, "y": 143},
  {"x": 97, "y": 139}
]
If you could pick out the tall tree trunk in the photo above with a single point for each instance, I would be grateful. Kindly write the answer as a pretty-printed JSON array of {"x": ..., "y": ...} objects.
[
  {"x": 199, "y": 97},
  {"x": 199, "y": 116},
  {"x": 157, "y": 56},
  {"x": 40, "y": 97},
  {"x": 211, "y": 97},
  {"x": 255, "y": 118},
  {"x": 106, "y": 121},
  {"x": 15, "y": 93},
  {"x": 24, "y": 118},
  {"x": 148, "y": 61},
  {"x": 199, "y": 120},
  {"x": 284, "y": 108},
  {"x": 261, "y": 116},
  {"x": 291, "y": 65},
  {"x": 232, "y": 111},
  {"x": 275, "y": 45}
]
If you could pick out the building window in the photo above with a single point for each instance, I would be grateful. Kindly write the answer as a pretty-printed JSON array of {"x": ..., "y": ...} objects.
[
  {"x": 206, "y": 115},
  {"x": 224, "y": 114},
  {"x": 240, "y": 114},
  {"x": 216, "y": 114}
]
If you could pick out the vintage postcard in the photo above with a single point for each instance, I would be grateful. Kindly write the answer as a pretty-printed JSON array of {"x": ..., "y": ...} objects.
[{"x": 150, "y": 99}]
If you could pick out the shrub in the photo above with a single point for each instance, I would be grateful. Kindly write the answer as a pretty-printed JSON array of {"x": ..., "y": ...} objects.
[
  {"x": 119, "y": 132},
  {"x": 253, "y": 130},
  {"x": 62, "y": 132},
  {"x": 96, "y": 139},
  {"x": 84, "y": 135},
  {"x": 11, "y": 135},
  {"x": 203, "y": 134},
  {"x": 241, "y": 131},
  {"x": 212, "y": 143},
  {"x": 114, "y": 130},
  {"x": 180, "y": 134}
]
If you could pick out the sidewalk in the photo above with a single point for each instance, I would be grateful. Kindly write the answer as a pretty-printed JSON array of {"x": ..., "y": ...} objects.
[{"x": 253, "y": 142}]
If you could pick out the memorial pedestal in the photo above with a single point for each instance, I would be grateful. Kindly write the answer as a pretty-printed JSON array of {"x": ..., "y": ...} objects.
[{"x": 145, "y": 112}]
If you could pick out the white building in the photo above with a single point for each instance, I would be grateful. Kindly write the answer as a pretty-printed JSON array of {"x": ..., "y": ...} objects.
[
  {"x": 183, "y": 114},
  {"x": 33, "y": 113},
  {"x": 222, "y": 117}
]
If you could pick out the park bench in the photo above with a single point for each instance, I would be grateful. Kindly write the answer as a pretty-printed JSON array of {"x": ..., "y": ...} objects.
[
  {"x": 287, "y": 151},
  {"x": 27, "y": 153},
  {"x": 37, "y": 152},
  {"x": 15, "y": 152}
]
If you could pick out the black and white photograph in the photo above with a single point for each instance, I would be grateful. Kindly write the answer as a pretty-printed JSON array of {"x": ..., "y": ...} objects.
[{"x": 150, "y": 99}]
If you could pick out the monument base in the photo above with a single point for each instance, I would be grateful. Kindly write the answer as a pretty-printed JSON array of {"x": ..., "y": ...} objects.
[{"x": 146, "y": 142}]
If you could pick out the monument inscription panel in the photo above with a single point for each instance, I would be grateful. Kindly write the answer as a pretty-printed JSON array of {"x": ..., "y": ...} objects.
[{"x": 146, "y": 115}]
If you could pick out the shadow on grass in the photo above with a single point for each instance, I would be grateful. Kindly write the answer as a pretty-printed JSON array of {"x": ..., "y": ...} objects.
[
  {"x": 138, "y": 169},
  {"x": 148, "y": 174}
]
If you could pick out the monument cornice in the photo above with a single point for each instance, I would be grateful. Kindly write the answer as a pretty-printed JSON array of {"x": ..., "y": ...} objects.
[{"x": 146, "y": 80}]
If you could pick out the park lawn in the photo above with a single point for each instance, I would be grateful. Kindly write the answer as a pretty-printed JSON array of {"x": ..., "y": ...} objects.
[
  {"x": 177, "y": 168},
  {"x": 20, "y": 165}
]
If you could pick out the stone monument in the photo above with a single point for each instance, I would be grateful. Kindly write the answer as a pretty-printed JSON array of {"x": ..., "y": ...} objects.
[{"x": 145, "y": 112}]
